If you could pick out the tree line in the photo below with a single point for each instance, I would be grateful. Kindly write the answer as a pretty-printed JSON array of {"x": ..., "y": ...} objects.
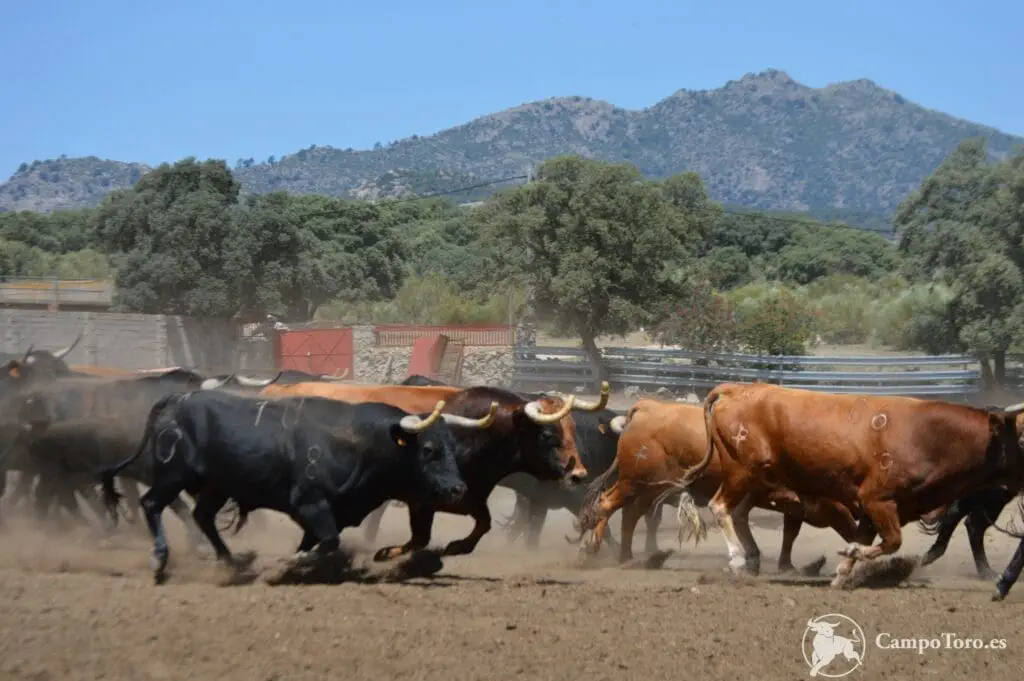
[{"x": 587, "y": 248}]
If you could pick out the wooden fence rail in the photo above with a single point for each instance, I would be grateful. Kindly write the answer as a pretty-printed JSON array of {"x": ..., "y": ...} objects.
[{"x": 539, "y": 367}]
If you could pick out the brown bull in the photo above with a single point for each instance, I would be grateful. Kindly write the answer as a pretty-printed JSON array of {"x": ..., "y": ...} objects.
[
  {"x": 658, "y": 442},
  {"x": 888, "y": 460},
  {"x": 537, "y": 437}
]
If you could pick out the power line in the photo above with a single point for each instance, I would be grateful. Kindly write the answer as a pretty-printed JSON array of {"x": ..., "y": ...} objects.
[
  {"x": 751, "y": 213},
  {"x": 462, "y": 189}
]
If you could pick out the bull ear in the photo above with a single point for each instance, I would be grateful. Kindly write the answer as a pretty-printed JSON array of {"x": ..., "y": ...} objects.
[
  {"x": 602, "y": 427},
  {"x": 401, "y": 437}
]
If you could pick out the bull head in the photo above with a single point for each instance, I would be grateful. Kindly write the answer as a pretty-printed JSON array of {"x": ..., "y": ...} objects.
[
  {"x": 477, "y": 424},
  {"x": 414, "y": 424}
]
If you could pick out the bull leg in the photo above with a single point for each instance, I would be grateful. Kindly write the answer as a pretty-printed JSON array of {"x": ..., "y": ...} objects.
[
  {"x": 791, "y": 526},
  {"x": 979, "y": 520},
  {"x": 864, "y": 535},
  {"x": 154, "y": 501},
  {"x": 208, "y": 504},
  {"x": 23, "y": 488},
  {"x": 884, "y": 515},
  {"x": 195, "y": 536},
  {"x": 421, "y": 522},
  {"x": 521, "y": 512},
  {"x": 536, "y": 515},
  {"x": 608, "y": 503},
  {"x": 631, "y": 514},
  {"x": 652, "y": 521},
  {"x": 1010, "y": 574},
  {"x": 947, "y": 526},
  {"x": 482, "y": 517},
  {"x": 371, "y": 526},
  {"x": 741, "y": 526},
  {"x": 132, "y": 500},
  {"x": 317, "y": 521}
]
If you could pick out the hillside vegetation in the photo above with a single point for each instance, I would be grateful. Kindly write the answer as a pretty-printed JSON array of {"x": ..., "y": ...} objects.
[
  {"x": 589, "y": 248},
  {"x": 848, "y": 151}
]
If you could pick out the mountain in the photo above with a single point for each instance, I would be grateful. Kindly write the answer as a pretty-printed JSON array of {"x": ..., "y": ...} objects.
[{"x": 763, "y": 141}]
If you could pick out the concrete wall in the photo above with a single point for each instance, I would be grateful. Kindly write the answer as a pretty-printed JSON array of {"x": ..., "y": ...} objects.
[
  {"x": 131, "y": 341},
  {"x": 136, "y": 341}
]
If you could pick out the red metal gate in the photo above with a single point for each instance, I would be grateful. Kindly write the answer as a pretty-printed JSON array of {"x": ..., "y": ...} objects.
[{"x": 317, "y": 351}]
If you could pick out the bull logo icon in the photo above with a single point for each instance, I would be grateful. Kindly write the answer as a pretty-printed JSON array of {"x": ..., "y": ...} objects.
[{"x": 833, "y": 638}]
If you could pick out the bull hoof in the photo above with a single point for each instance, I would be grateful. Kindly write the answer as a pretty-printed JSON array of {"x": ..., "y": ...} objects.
[
  {"x": 987, "y": 573},
  {"x": 929, "y": 558},
  {"x": 813, "y": 569},
  {"x": 998, "y": 595},
  {"x": 244, "y": 559},
  {"x": 388, "y": 553},
  {"x": 459, "y": 547},
  {"x": 159, "y": 578}
]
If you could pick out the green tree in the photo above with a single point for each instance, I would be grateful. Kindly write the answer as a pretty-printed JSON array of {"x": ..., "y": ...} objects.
[
  {"x": 170, "y": 237},
  {"x": 963, "y": 228},
  {"x": 602, "y": 248}
]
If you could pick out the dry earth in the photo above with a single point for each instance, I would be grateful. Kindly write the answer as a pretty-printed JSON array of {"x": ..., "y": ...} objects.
[{"x": 78, "y": 608}]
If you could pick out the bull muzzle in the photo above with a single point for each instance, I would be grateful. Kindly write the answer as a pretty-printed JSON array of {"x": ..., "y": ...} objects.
[{"x": 575, "y": 471}]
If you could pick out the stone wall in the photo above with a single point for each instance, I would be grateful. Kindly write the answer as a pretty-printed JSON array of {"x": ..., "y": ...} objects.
[
  {"x": 481, "y": 366},
  {"x": 126, "y": 341}
]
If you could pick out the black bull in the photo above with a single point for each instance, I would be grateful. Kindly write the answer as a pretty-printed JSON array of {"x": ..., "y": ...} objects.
[
  {"x": 281, "y": 455},
  {"x": 67, "y": 428},
  {"x": 596, "y": 444}
]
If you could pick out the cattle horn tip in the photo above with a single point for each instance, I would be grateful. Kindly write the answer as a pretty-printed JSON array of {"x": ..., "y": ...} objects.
[
  {"x": 1014, "y": 408},
  {"x": 606, "y": 391},
  {"x": 60, "y": 354}
]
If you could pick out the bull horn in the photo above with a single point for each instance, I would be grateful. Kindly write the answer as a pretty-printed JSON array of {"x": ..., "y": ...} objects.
[
  {"x": 618, "y": 424},
  {"x": 60, "y": 354},
  {"x": 252, "y": 382},
  {"x": 606, "y": 391},
  {"x": 213, "y": 383},
  {"x": 414, "y": 424},
  {"x": 532, "y": 410},
  {"x": 335, "y": 378},
  {"x": 27, "y": 353},
  {"x": 1014, "y": 408},
  {"x": 480, "y": 423}
]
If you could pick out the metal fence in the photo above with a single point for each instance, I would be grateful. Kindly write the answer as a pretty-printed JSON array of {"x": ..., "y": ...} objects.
[
  {"x": 404, "y": 335},
  {"x": 539, "y": 367}
]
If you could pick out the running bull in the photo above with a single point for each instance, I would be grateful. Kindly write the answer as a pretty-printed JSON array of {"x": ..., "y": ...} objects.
[
  {"x": 529, "y": 436},
  {"x": 888, "y": 460},
  {"x": 272, "y": 454},
  {"x": 658, "y": 441}
]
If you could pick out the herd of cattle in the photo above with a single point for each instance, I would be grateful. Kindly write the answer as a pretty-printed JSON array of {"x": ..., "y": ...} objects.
[{"x": 331, "y": 455}]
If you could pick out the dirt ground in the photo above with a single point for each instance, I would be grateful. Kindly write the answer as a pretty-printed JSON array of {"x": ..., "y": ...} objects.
[{"x": 75, "y": 606}]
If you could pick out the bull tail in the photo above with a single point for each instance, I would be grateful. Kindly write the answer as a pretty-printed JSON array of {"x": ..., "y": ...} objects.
[
  {"x": 693, "y": 474},
  {"x": 586, "y": 519},
  {"x": 111, "y": 497},
  {"x": 687, "y": 507}
]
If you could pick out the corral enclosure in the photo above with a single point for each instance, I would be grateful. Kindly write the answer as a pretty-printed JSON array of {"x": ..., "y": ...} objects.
[{"x": 503, "y": 609}]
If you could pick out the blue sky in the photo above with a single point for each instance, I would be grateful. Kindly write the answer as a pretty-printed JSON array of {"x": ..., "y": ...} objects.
[{"x": 155, "y": 82}]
